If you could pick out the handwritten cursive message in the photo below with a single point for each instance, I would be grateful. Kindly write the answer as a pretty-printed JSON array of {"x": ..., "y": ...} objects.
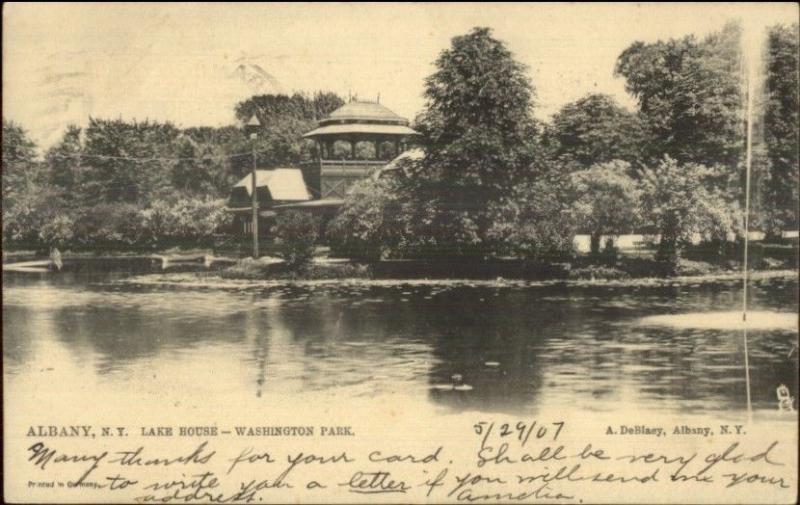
[{"x": 516, "y": 461}]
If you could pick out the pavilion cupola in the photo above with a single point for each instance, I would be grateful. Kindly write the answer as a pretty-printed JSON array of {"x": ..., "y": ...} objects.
[{"x": 354, "y": 140}]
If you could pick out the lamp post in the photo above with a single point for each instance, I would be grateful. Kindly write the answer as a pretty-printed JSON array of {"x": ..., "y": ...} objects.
[{"x": 251, "y": 127}]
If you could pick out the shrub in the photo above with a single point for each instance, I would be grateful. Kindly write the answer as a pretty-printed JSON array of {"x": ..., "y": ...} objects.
[
  {"x": 676, "y": 202},
  {"x": 368, "y": 225},
  {"x": 33, "y": 215},
  {"x": 183, "y": 220},
  {"x": 108, "y": 225},
  {"x": 606, "y": 201},
  {"x": 533, "y": 223},
  {"x": 296, "y": 233},
  {"x": 57, "y": 231}
]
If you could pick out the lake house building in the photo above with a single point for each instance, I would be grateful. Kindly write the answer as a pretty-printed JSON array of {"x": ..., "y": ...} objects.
[
  {"x": 354, "y": 141},
  {"x": 273, "y": 187}
]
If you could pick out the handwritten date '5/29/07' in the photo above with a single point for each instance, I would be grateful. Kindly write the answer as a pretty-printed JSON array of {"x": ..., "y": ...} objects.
[{"x": 496, "y": 440}]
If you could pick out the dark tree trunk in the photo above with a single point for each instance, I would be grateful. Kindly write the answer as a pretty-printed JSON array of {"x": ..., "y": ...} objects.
[
  {"x": 772, "y": 236},
  {"x": 594, "y": 244},
  {"x": 668, "y": 251},
  {"x": 668, "y": 246}
]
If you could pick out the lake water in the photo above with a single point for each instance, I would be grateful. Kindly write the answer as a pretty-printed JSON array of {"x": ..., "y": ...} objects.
[{"x": 520, "y": 347}]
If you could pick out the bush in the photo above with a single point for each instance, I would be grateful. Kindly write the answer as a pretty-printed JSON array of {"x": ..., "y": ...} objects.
[
  {"x": 125, "y": 225},
  {"x": 108, "y": 225},
  {"x": 183, "y": 220},
  {"x": 677, "y": 203},
  {"x": 533, "y": 223},
  {"x": 606, "y": 200},
  {"x": 34, "y": 215},
  {"x": 368, "y": 225},
  {"x": 296, "y": 233},
  {"x": 57, "y": 231}
]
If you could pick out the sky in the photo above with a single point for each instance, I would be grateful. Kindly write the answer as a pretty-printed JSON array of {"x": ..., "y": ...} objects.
[{"x": 191, "y": 63}]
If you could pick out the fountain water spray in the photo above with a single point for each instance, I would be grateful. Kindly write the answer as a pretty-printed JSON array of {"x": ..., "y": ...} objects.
[{"x": 752, "y": 57}]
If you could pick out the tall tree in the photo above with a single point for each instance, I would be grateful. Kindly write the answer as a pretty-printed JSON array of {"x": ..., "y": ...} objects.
[
  {"x": 480, "y": 135},
  {"x": 678, "y": 203},
  {"x": 193, "y": 171},
  {"x": 595, "y": 129},
  {"x": 781, "y": 135},
  {"x": 218, "y": 156},
  {"x": 30, "y": 204},
  {"x": 17, "y": 146},
  {"x": 689, "y": 94},
  {"x": 64, "y": 160},
  {"x": 606, "y": 201},
  {"x": 284, "y": 119},
  {"x": 128, "y": 161},
  {"x": 19, "y": 159}
]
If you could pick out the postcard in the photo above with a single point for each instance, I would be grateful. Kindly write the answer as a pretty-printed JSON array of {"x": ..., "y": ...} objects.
[{"x": 400, "y": 253}]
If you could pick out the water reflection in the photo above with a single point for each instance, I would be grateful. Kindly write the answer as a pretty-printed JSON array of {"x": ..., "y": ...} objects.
[{"x": 518, "y": 348}]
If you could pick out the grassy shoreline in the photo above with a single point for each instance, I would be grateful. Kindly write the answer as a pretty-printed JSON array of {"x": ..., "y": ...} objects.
[
  {"x": 211, "y": 280},
  {"x": 634, "y": 266},
  {"x": 582, "y": 267}
]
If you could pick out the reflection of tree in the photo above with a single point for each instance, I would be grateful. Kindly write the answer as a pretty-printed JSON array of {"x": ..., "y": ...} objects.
[
  {"x": 579, "y": 345},
  {"x": 129, "y": 326},
  {"x": 19, "y": 334},
  {"x": 257, "y": 337},
  {"x": 476, "y": 327},
  {"x": 279, "y": 360},
  {"x": 380, "y": 338}
]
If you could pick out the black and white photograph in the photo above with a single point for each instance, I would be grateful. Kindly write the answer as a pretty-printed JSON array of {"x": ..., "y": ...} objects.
[{"x": 400, "y": 252}]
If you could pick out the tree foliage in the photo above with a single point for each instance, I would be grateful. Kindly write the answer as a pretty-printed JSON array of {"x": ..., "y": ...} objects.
[
  {"x": 678, "y": 205},
  {"x": 534, "y": 222},
  {"x": 296, "y": 233},
  {"x": 782, "y": 129},
  {"x": 29, "y": 201},
  {"x": 480, "y": 140},
  {"x": 606, "y": 201},
  {"x": 370, "y": 223},
  {"x": 689, "y": 94},
  {"x": 124, "y": 159},
  {"x": 64, "y": 162},
  {"x": 124, "y": 183},
  {"x": 284, "y": 119},
  {"x": 17, "y": 147},
  {"x": 20, "y": 168},
  {"x": 595, "y": 129}
]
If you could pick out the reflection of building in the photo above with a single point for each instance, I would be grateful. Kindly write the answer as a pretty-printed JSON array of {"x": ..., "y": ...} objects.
[
  {"x": 273, "y": 187},
  {"x": 354, "y": 140}
]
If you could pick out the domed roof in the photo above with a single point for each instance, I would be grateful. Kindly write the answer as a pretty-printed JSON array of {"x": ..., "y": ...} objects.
[
  {"x": 362, "y": 119},
  {"x": 366, "y": 112}
]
